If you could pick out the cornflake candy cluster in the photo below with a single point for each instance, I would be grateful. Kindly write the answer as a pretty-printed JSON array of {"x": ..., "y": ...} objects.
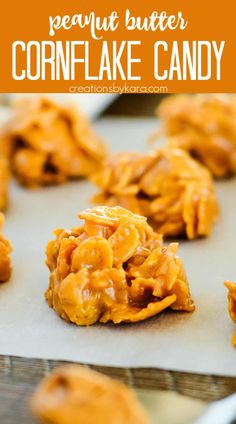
[
  {"x": 173, "y": 190},
  {"x": 4, "y": 182},
  {"x": 231, "y": 286},
  {"x": 5, "y": 250},
  {"x": 205, "y": 126},
  {"x": 4, "y": 172},
  {"x": 114, "y": 268},
  {"x": 75, "y": 394},
  {"x": 51, "y": 143}
]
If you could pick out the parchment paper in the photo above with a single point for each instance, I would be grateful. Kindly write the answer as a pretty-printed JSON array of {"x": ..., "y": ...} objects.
[{"x": 197, "y": 342}]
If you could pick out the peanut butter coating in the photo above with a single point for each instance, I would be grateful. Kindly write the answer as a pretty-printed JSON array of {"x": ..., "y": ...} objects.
[
  {"x": 50, "y": 143},
  {"x": 171, "y": 189},
  {"x": 5, "y": 250},
  {"x": 77, "y": 395},
  {"x": 231, "y": 286},
  {"x": 205, "y": 126}
]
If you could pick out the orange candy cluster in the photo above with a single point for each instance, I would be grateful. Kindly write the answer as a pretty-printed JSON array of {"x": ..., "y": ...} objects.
[
  {"x": 51, "y": 143},
  {"x": 75, "y": 394},
  {"x": 114, "y": 268},
  {"x": 5, "y": 250},
  {"x": 173, "y": 190},
  {"x": 205, "y": 126},
  {"x": 232, "y": 305},
  {"x": 4, "y": 182}
]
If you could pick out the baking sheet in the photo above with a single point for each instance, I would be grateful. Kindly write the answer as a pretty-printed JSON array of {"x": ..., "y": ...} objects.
[{"x": 197, "y": 342}]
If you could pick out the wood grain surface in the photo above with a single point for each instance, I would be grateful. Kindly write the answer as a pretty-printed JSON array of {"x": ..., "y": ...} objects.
[{"x": 20, "y": 376}]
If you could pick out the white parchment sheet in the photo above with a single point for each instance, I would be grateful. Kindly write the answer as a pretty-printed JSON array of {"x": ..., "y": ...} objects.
[{"x": 197, "y": 342}]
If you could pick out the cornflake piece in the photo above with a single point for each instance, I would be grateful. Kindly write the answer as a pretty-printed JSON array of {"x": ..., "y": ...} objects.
[
  {"x": 5, "y": 250},
  {"x": 173, "y": 190},
  {"x": 114, "y": 268},
  {"x": 4, "y": 182},
  {"x": 73, "y": 394},
  {"x": 4, "y": 172},
  {"x": 205, "y": 126},
  {"x": 51, "y": 143},
  {"x": 232, "y": 305}
]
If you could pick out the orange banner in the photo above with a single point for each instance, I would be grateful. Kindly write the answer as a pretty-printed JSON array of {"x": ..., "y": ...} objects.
[{"x": 122, "y": 46}]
